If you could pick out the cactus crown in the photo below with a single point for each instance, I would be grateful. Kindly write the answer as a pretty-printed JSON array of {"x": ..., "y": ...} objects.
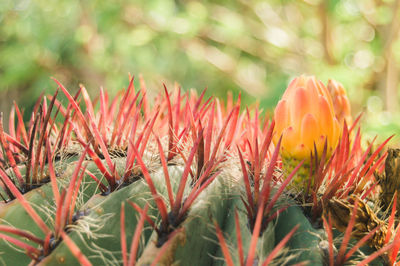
[{"x": 196, "y": 171}]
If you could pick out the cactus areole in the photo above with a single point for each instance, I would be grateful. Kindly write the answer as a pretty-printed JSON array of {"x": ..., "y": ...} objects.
[{"x": 185, "y": 180}]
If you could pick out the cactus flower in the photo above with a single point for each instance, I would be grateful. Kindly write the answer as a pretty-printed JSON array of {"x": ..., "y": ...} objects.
[
  {"x": 305, "y": 115},
  {"x": 341, "y": 103}
]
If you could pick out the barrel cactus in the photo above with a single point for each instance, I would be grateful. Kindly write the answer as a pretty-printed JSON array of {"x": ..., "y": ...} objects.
[{"x": 184, "y": 180}]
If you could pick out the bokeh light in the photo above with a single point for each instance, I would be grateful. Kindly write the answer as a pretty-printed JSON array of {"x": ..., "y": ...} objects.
[{"x": 248, "y": 46}]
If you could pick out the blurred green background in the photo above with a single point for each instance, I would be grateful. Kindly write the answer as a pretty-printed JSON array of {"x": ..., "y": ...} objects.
[{"x": 251, "y": 46}]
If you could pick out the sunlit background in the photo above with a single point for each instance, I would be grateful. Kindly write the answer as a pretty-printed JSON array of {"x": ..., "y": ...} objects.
[{"x": 249, "y": 46}]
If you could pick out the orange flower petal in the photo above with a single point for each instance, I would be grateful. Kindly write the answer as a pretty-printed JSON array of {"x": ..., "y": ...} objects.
[
  {"x": 325, "y": 115},
  {"x": 281, "y": 116},
  {"x": 301, "y": 152},
  {"x": 309, "y": 131},
  {"x": 300, "y": 104},
  {"x": 293, "y": 85},
  {"x": 290, "y": 140},
  {"x": 333, "y": 139},
  {"x": 341, "y": 103}
]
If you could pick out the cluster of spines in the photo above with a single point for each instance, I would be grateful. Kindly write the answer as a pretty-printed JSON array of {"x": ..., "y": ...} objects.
[{"x": 213, "y": 132}]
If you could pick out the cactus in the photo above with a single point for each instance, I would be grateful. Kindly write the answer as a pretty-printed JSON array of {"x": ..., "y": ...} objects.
[{"x": 188, "y": 180}]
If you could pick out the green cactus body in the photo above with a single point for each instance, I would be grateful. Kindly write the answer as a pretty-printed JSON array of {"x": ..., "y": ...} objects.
[
  {"x": 301, "y": 179},
  {"x": 98, "y": 233},
  {"x": 102, "y": 218},
  {"x": 189, "y": 174},
  {"x": 303, "y": 245}
]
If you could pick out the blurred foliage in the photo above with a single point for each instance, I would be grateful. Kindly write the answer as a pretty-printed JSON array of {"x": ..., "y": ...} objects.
[{"x": 249, "y": 45}]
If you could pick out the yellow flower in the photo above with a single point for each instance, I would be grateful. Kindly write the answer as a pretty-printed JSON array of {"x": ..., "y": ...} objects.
[
  {"x": 341, "y": 103},
  {"x": 304, "y": 116}
]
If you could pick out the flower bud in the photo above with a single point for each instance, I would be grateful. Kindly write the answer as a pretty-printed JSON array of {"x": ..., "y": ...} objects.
[{"x": 305, "y": 116}]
